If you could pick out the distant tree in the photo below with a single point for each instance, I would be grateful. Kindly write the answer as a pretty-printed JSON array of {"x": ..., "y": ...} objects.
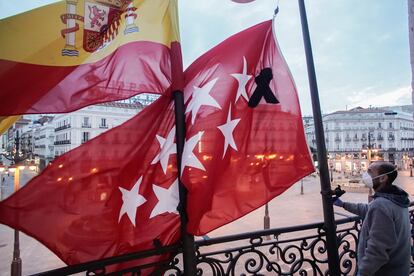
[{"x": 411, "y": 40}]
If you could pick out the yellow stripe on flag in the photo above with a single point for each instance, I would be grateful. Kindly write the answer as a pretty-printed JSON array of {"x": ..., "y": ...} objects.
[
  {"x": 43, "y": 35},
  {"x": 7, "y": 122}
]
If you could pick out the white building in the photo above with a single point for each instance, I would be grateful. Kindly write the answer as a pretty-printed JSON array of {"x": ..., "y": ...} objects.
[
  {"x": 349, "y": 134},
  {"x": 44, "y": 136},
  {"x": 76, "y": 128}
]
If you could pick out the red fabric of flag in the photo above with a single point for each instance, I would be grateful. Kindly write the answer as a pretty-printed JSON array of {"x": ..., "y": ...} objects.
[
  {"x": 236, "y": 158},
  {"x": 115, "y": 194}
]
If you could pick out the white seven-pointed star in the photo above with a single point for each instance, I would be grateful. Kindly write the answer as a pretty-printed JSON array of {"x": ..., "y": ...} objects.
[
  {"x": 131, "y": 201},
  {"x": 201, "y": 96},
  {"x": 227, "y": 130},
  {"x": 189, "y": 159},
  {"x": 242, "y": 80},
  {"x": 168, "y": 199},
  {"x": 168, "y": 147}
]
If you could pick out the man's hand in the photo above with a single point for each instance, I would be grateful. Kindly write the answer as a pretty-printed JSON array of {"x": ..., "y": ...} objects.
[{"x": 337, "y": 202}]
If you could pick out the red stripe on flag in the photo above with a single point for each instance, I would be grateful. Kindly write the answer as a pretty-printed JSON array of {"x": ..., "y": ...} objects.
[{"x": 137, "y": 67}]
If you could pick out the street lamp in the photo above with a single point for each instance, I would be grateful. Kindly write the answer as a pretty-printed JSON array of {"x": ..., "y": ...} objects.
[
  {"x": 369, "y": 162},
  {"x": 16, "y": 157},
  {"x": 16, "y": 265},
  {"x": 331, "y": 167},
  {"x": 2, "y": 169}
]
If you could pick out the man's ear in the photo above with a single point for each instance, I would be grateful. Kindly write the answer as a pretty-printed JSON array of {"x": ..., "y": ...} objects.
[{"x": 383, "y": 178}]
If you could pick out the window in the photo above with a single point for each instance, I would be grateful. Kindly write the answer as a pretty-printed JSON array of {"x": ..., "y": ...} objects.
[
  {"x": 103, "y": 122},
  {"x": 86, "y": 122},
  {"x": 85, "y": 137},
  {"x": 379, "y": 125},
  {"x": 390, "y": 125}
]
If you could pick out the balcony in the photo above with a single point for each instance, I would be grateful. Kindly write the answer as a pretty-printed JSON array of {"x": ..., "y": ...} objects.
[
  {"x": 337, "y": 139},
  {"x": 103, "y": 126},
  {"x": 86, "y": 126},
  {"x": 63, "y": 142},
  {"x": 277, "y": 251},
  {"x": 62, "y": 127},
  {"x": 391, "y": 138},
  {"x": 347, "y": 139},
  {"x": 380, "y": 138},
  {"x": 355, "y": 139}
]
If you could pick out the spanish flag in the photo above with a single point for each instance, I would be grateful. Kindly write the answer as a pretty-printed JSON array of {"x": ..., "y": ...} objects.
[{"x": 74, "y": 53}]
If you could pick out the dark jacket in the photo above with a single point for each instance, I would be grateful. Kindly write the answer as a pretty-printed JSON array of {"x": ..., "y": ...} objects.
[{"x": 384, "y": 246}]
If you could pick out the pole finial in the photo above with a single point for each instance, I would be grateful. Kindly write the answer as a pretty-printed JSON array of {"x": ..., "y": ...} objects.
[{"x": 276, "y": 9}]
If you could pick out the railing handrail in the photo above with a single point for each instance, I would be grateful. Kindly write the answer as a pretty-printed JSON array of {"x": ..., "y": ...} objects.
[{"x": 273, "y": 231}]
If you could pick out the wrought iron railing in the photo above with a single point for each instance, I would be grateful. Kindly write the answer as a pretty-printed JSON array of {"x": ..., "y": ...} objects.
[
  {"x": 297, "y": 250},
  {"x": 294, "y": 250}
]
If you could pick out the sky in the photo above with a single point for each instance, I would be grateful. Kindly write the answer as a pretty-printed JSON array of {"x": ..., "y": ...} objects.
[{"x": 360, "y": 48}]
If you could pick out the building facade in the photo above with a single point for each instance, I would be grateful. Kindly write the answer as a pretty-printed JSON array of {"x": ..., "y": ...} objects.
[
  {"x": 44, "y": 136},
  {"x": 360, "y": 134},
  {"x": 73, "y": 129}
]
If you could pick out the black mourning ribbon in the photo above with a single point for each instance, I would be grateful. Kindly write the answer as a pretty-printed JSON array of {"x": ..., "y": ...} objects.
[{"x": 263, "y": 89}]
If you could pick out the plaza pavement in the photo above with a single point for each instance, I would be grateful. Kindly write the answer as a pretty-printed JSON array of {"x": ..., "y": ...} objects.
[{"x": 290, "y": 208}]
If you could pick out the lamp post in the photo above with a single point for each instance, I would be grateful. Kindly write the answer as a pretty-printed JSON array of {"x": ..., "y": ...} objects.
[
  {"x": 331, "y": 167},
  {"x": 17, "y": 158},
  {"x": 16, "y": 265},
  {"x": 2, "y": 169},
  {"x": 369, "y": 163},
  {"x": 301, "y": 186}
]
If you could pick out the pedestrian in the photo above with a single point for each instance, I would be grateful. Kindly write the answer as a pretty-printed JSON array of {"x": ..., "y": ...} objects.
[{"x": 384, "y": 247}]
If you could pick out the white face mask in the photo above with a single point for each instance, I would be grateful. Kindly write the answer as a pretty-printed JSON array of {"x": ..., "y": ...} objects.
[{"x": 368, "y": 180}]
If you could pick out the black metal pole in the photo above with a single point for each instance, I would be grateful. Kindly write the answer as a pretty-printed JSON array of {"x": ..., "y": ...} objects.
[
  {"x": 190, "y": 266},
  {"x": 329, "y": 219},
  {"x": 16, "y": 265}
]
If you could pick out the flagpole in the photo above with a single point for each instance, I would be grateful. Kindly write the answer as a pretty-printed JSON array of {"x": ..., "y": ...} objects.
[
  {"x": 329, "y": 219},
  {"x": 190, "y": 265},
  {"x": 187, "y": 239}
]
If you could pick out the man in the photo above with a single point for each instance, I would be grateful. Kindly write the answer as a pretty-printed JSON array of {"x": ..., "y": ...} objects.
[{"x": 384, "y": 246}]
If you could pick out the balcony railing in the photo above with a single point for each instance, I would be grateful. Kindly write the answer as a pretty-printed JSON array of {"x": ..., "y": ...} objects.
[
  {"x": 103, "y": 126},
  {"x": 63, "y": 142},
  {"x": 297, "y": 250},
  {"x": 86, "y": 126},
  {"x": 62, "y": 127}
]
